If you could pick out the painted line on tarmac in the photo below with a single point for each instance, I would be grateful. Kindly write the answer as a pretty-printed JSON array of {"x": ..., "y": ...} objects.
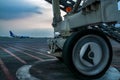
[
  {"x": 47, "y": 55},
  {"x": 35, "y": 57},
  {"x": 12, "y": 54},
  {"x": 6, "y": 71}
]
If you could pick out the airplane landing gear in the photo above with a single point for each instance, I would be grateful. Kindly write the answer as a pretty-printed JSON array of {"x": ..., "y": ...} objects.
[{"x": 88, "y": 53}]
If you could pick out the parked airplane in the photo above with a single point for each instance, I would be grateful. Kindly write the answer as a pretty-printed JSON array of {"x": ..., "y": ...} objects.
[{"x": 16, "y": 36}]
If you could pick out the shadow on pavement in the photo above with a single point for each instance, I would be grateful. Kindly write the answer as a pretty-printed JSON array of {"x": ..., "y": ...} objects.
[{"x": 56, "y": 70}]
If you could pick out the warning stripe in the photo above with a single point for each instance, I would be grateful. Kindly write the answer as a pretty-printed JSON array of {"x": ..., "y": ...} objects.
[
  {"x": 12, "y": 54},
  {"x": 6, "y": 71}
]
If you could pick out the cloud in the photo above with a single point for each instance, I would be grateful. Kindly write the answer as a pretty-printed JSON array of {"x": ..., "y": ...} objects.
[
  {"x": 12, "y": 9},
  {"x": 119, "y": 5}
]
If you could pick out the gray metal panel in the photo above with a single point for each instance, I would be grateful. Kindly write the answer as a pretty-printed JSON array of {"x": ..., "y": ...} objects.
[
  {"x": 109, "y": 10},
  {"x": 79, "y": 19},
  {"x": 106, "y": 12}
]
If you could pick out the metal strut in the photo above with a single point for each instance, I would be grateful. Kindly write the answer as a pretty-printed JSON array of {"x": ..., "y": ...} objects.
[{"x": 64, "y": 3}]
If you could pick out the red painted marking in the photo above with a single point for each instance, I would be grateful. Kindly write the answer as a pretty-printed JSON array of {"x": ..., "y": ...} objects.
[
  {"x": 6, "y": 71},
  {"x": 47, "y": 55},
  {"x": 12, "y": 54},
  {"x": 28, "y": 54}
]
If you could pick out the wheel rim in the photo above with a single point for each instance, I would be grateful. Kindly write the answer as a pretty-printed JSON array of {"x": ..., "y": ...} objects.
[{"x": 90, "y": 55}]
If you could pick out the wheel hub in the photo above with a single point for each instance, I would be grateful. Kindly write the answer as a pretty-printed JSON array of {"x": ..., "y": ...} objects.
[{"x": 90, "y": 54}]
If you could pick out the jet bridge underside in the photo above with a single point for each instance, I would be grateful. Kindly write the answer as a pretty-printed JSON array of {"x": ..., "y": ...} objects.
[{"x": 104, "y": 11}]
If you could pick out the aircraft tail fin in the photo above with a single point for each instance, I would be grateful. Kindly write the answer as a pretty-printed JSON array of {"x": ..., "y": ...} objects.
[{"x": 11, "y": 34}]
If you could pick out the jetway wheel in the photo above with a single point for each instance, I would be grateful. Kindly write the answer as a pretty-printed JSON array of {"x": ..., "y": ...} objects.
[{"x": 88, "y": 53}]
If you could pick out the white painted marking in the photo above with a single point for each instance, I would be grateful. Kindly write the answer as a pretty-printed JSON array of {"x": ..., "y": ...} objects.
[
  {"x": 23, "y": 73},
  {"x": 111, "y": 74}
]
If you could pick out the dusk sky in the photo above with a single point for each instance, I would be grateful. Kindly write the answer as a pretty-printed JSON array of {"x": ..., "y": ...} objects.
[{"x": 26, "y": 17}]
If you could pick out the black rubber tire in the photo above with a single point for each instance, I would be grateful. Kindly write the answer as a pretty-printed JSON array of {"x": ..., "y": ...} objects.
[
  {"x": 60, "y": 59},
  {"x": 68, "y": 52}
]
